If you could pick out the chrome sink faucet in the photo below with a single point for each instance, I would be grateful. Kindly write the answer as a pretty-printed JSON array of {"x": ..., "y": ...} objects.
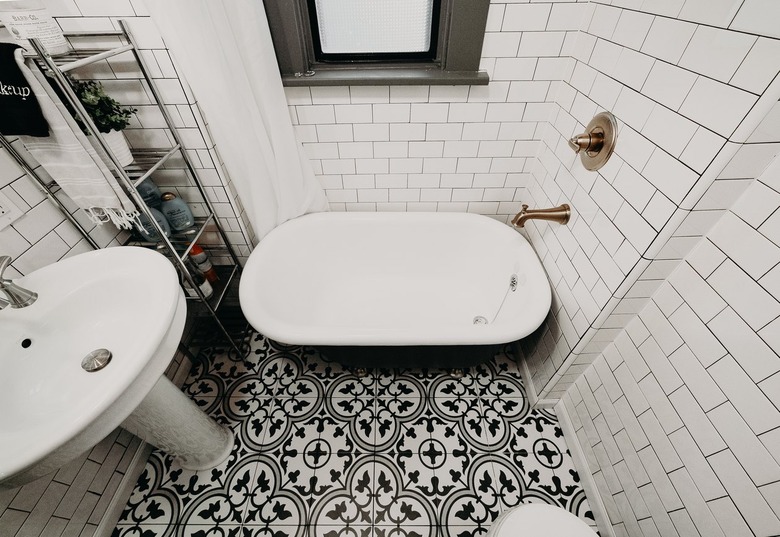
[{"x": 15, "y": 296}]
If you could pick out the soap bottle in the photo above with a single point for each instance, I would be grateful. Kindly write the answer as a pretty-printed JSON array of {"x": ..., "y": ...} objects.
[
  {"x": 148, "y": 231},
  {"x": 150, "y": 193},
  {"x": 203, "y": 263},
  {"x": 176, "y": 211},
  {"x": 199, "y": 279}
]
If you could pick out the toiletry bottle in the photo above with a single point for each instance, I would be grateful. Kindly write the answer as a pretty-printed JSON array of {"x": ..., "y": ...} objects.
[
  {"x": 150, "y": 194},
  {"x": 203, "y": 263},
  {"x": 176, "y": 211},
  {"x": 199, "y": 279},
  {"x": 148, "y": 231}
]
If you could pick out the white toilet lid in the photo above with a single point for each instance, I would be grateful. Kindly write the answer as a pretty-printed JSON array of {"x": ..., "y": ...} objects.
[{"x": 539, "y": 520}]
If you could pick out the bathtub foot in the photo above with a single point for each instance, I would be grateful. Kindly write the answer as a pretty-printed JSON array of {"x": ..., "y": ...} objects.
[
  {"x": 457, "y": 373},
  {"x": 359, "y": 372}
]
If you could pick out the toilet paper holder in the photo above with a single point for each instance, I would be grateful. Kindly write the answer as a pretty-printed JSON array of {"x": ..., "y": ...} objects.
[{"x": 597, "y": 143}]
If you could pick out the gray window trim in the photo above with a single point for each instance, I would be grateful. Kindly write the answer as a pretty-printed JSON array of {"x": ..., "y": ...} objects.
[{"x": 460, "y": 46}]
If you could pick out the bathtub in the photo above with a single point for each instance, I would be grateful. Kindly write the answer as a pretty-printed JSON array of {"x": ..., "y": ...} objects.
[{"x": 419, "y": 289}]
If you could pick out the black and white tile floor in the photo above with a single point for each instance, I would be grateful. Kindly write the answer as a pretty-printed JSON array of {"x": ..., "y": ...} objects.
[{"x": 320, "y": 452}]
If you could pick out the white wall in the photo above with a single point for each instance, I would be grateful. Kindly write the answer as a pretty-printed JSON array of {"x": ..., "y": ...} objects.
[
  {"x": 445, "y": 148},
  {"x": 691, "y": 84},
  {"x": 679, "y": 416}
]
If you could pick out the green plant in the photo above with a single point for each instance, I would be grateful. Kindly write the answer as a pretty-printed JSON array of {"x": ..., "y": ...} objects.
[{"x": 105, "y": 111}]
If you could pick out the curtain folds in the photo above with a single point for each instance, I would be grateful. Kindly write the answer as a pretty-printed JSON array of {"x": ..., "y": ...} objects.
[{"x": 225, "y": 53}]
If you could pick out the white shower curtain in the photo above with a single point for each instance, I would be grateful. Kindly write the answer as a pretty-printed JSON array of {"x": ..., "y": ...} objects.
[{"x": 225, "y": 52}]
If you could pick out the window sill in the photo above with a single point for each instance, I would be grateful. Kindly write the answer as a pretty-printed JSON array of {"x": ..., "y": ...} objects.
[{"x": 384, "y": 77}]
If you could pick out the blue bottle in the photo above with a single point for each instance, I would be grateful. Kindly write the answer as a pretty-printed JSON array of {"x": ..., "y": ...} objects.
[
  {"x": 148, "y": 231},
  {"x": 150, "y": 193},
  {"x": 177, "y": 212}
]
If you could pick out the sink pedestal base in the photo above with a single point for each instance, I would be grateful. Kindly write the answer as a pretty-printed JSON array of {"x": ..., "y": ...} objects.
[{"x": 170, "y": 421}]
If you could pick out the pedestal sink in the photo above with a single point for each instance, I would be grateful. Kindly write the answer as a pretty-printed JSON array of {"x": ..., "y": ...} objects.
[{"x": 126, "y": 300}]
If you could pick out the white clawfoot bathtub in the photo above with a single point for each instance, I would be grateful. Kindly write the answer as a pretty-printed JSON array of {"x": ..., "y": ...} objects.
[{"x": 394, "y": 279}]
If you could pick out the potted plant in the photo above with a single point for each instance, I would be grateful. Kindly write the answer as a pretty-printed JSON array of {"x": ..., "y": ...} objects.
[{"x": 109, "y": 117}]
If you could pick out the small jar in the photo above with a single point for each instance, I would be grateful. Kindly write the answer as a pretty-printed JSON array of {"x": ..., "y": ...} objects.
[
  {"x": 150, "y": 194},
  {"x": 176, "y": 211},
  {"x": 148, "y": 231}
]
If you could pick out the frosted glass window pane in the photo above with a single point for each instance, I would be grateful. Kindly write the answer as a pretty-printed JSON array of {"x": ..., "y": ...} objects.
[{"x": 374, "y": 26}]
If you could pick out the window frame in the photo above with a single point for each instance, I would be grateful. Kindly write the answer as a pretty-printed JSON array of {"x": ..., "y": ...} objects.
[
  {"x": 383, "y": 57},
  {"x": 458, "y": 50}
]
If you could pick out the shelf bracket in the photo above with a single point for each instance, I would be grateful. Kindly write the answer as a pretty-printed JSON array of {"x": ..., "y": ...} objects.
[{"x": 96, "y": 58}]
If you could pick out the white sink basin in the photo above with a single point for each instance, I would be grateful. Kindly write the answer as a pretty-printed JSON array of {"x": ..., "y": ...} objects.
[{"x": 126, "y": 300}]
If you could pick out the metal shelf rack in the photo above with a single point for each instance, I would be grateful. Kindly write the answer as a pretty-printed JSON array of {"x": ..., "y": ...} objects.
[{"x": 177, "y": 246}]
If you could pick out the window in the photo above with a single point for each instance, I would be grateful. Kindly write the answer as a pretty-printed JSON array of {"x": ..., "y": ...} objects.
[
  {"x": 378, "y": 42},
  {"x": 356, "y": 30}
]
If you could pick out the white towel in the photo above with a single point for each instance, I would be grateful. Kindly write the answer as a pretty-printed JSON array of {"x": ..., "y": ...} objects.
[{"x": 72, "y": 162}]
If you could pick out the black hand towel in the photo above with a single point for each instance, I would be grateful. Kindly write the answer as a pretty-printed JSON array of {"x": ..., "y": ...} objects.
[{"x": 19, "y": 109}]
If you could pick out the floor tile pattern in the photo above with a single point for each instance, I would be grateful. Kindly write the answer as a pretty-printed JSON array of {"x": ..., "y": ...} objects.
[{"x": 321, "y": 452}]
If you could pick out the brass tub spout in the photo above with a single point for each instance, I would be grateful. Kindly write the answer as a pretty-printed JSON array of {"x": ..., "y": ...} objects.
[{"x": 560, "y": 214}]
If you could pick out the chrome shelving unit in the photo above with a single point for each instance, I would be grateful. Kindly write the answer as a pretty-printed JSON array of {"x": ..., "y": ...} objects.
[{"x": 176, "y": 247}]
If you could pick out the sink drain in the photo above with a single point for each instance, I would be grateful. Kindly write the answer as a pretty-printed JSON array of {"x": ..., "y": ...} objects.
[
  {"x": 479, "y": 319},
  {"x": 96, "y": 360}
]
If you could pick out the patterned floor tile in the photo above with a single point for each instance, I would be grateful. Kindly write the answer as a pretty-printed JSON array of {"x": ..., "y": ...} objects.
[
  {"x": 397, "y": 504},
  {"x": 474, "y": 530},
  {"x": 416, "y": 455},
  {"x": 278, "y": 493},
  {"x": 347, "y": 497},
  {"x": 323, "y": 452},
  {"x": 276, "y": 531},
  {"x": 143, "y": 530},
  {"x": 472, "y": 492},
  {"x": 217, "y": 367},
  {"x": 221, "y": 530},
  {"x": 405, "y": 530},
  {"x": 345, "y": 530}
]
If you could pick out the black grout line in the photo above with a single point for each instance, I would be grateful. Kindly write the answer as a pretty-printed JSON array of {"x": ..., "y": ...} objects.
[
  {"x": 728, "y": 137},
  {"x": 677, "y": 18},
  {"x": 655, "y": 145}
]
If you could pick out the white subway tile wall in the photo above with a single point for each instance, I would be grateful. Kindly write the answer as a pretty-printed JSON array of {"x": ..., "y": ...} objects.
[
  {"x": 694, "y": 380},
  {"x": 693, "y": 133},
  {"x": 443, "y": 148}
]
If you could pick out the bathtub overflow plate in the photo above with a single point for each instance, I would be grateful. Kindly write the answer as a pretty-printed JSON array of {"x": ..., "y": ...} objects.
[
  {"x": 96, "y": 360},
  {"x": 479, "y": 319}
]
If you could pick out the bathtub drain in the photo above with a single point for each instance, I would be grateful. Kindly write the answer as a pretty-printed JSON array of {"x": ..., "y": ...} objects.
[{"x": 479, "y": 319}]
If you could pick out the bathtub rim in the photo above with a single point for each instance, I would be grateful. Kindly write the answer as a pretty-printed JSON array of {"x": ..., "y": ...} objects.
[{"x": 292, "y": 334}]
